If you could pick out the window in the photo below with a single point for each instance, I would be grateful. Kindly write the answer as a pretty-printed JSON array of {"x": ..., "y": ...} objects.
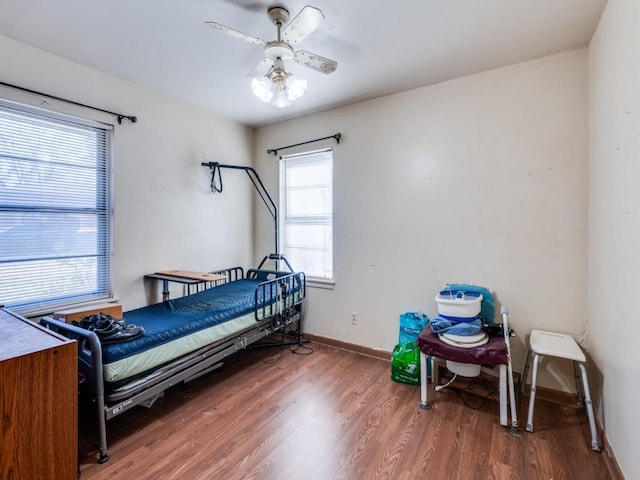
[
  {"x": 306, "y": 212},
  {"x": 55, "y": 209}
]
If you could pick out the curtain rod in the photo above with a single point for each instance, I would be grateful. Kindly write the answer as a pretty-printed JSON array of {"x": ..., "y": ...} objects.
[
  {"x": 274, "y": 151},
  {"x": 119, "y": 116}
]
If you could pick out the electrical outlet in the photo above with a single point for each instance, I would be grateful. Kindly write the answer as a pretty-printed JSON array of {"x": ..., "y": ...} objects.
[{"x": 354, "y": 318}]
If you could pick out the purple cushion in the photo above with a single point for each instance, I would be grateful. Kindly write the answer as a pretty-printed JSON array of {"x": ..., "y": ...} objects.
[{"x": 492, "y": 353}]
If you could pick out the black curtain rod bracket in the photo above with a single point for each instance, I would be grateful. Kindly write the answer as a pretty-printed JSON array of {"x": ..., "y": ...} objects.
[
  {"x": 274, "y": 151},
  {"x": 119, "y": 116}
]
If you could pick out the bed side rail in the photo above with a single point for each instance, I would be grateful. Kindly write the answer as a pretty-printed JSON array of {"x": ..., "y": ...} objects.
[
  {"x": 232, "y": 274},
  {"x": 89, "y": 347},
  {"x": 90, "y": 367},
  {"x": 279, "y": 295}
]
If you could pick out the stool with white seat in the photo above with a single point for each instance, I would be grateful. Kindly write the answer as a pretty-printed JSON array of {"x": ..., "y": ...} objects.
[{"x": 560, "y": 345}]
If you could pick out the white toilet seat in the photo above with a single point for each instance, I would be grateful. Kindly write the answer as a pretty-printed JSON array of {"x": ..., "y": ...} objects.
[{"x": 462, "y": 341}]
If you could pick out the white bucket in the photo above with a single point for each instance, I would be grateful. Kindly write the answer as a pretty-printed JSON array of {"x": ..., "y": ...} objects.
[
  {"x": 458, "y": 305},
  {"x": 464, "y": 369}
]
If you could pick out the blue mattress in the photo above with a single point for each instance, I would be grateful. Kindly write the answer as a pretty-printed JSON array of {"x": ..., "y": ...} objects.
[{"x": 167, "y": 321}]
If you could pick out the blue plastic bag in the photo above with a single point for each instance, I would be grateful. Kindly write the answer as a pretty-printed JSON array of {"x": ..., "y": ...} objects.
[{"x": 411, "y": 324}]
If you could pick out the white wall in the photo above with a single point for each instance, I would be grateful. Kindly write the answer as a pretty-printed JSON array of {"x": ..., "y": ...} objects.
[
  {"x": 614, "y": 224},
  {"x": 480, "y": 180},
  {"x": 165, "y": 216}
]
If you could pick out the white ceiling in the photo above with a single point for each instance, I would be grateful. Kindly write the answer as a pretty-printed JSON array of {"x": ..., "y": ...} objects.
[{"x": 381, "y": 47}]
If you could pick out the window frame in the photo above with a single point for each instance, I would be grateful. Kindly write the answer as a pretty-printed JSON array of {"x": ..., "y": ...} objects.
[
  {"x": 312, "y": 280},
  {"x": 100, "y": 214}
]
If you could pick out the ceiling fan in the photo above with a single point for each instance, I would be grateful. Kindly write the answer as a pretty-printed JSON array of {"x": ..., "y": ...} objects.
[{"x": 271, "y": 81}]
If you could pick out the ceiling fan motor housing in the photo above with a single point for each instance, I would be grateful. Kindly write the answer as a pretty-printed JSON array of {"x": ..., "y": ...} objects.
[
  {"x": 278, "y": 49},
  {"x": 278, "y": 15}
]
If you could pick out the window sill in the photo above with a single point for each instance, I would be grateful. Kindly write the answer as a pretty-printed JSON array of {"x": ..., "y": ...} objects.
[
  {"x": 321, "y": 283},
  {"x": 37, "y": 312}
]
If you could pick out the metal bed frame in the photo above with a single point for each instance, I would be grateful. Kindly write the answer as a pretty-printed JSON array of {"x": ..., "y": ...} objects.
[{"x": 270, "y": 317}]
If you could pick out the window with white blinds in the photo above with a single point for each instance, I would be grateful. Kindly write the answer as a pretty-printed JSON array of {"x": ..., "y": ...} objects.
[
  {"x": 55, "y": 209},
  {"x": 306, "y": 212}
]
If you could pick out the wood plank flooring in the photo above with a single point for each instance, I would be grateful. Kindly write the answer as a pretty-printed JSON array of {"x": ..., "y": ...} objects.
[{"x": 271, "y": 414}]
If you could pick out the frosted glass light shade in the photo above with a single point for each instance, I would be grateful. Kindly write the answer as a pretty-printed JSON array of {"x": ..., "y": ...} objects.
[
  {"x": 262, "y": 89},
  {"x": 281, "y": 92},
  {"x": 295, "y": 87}
]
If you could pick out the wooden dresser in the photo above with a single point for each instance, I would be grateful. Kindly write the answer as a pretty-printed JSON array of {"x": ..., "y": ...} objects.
[{"x": 38, "y": 402}]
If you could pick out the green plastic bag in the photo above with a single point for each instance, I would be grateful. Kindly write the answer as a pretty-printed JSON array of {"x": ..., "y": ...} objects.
[{"x": 405, "y": 363}]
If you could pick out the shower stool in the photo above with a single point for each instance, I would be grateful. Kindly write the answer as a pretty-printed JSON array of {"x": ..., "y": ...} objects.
[{"x": 560, "y": 345}]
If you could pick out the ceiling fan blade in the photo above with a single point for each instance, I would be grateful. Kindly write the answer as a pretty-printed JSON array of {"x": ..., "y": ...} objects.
[
  {"x": 235, "y": 33},
  {"x": 261, "y": 69},
  {"x": 303, "y": 24},
  {"x": 316, "y": 62}
]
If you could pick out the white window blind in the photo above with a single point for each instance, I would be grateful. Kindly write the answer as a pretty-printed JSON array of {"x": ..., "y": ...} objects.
[
  {"x": 55, "y": 209},
  {"x": 306, "y": 212}
]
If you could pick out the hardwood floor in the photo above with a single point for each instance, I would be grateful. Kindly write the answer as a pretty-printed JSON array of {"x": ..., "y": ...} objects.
[{"x": 272, "y": 414}]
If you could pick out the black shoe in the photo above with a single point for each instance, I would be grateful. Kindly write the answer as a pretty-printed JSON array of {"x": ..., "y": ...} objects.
[
  {"x": 121, "y": 334},
  {"x": 110, "y": 330}
]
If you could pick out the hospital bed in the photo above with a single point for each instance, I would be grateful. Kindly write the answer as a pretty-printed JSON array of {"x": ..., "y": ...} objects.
[{"x": 184, "y": 338}]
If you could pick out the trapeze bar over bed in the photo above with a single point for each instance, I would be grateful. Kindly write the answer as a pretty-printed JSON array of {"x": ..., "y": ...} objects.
[{"x": 183, "y": 338}]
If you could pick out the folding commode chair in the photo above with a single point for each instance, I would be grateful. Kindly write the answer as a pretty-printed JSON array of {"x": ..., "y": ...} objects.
[{"x": 495, "y": 353}]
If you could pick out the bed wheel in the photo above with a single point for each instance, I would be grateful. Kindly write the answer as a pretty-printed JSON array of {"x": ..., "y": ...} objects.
[
  {"x": 103, "y": 458},
  {"x": 276, "y": 323}
]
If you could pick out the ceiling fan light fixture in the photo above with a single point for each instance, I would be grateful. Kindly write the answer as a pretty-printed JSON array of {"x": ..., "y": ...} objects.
[
  {"x": 278, "y": 87},
  {"x": 280, "y": 99},
  {"x": 261, "y": 88},
  {"x": 295, "y": 87}
]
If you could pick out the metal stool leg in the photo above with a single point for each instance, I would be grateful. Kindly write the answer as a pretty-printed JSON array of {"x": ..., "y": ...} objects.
[
  {"x": 595, "y": 445},
  {"x": 503, "y": 395},
  {"x": 423, "y": 383},
  {"x": 532, "y": 397},
  {"x": 512, "y": 397},
  {"x": 525, "y": 371},
  {"x": 579, "y": 389}
]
